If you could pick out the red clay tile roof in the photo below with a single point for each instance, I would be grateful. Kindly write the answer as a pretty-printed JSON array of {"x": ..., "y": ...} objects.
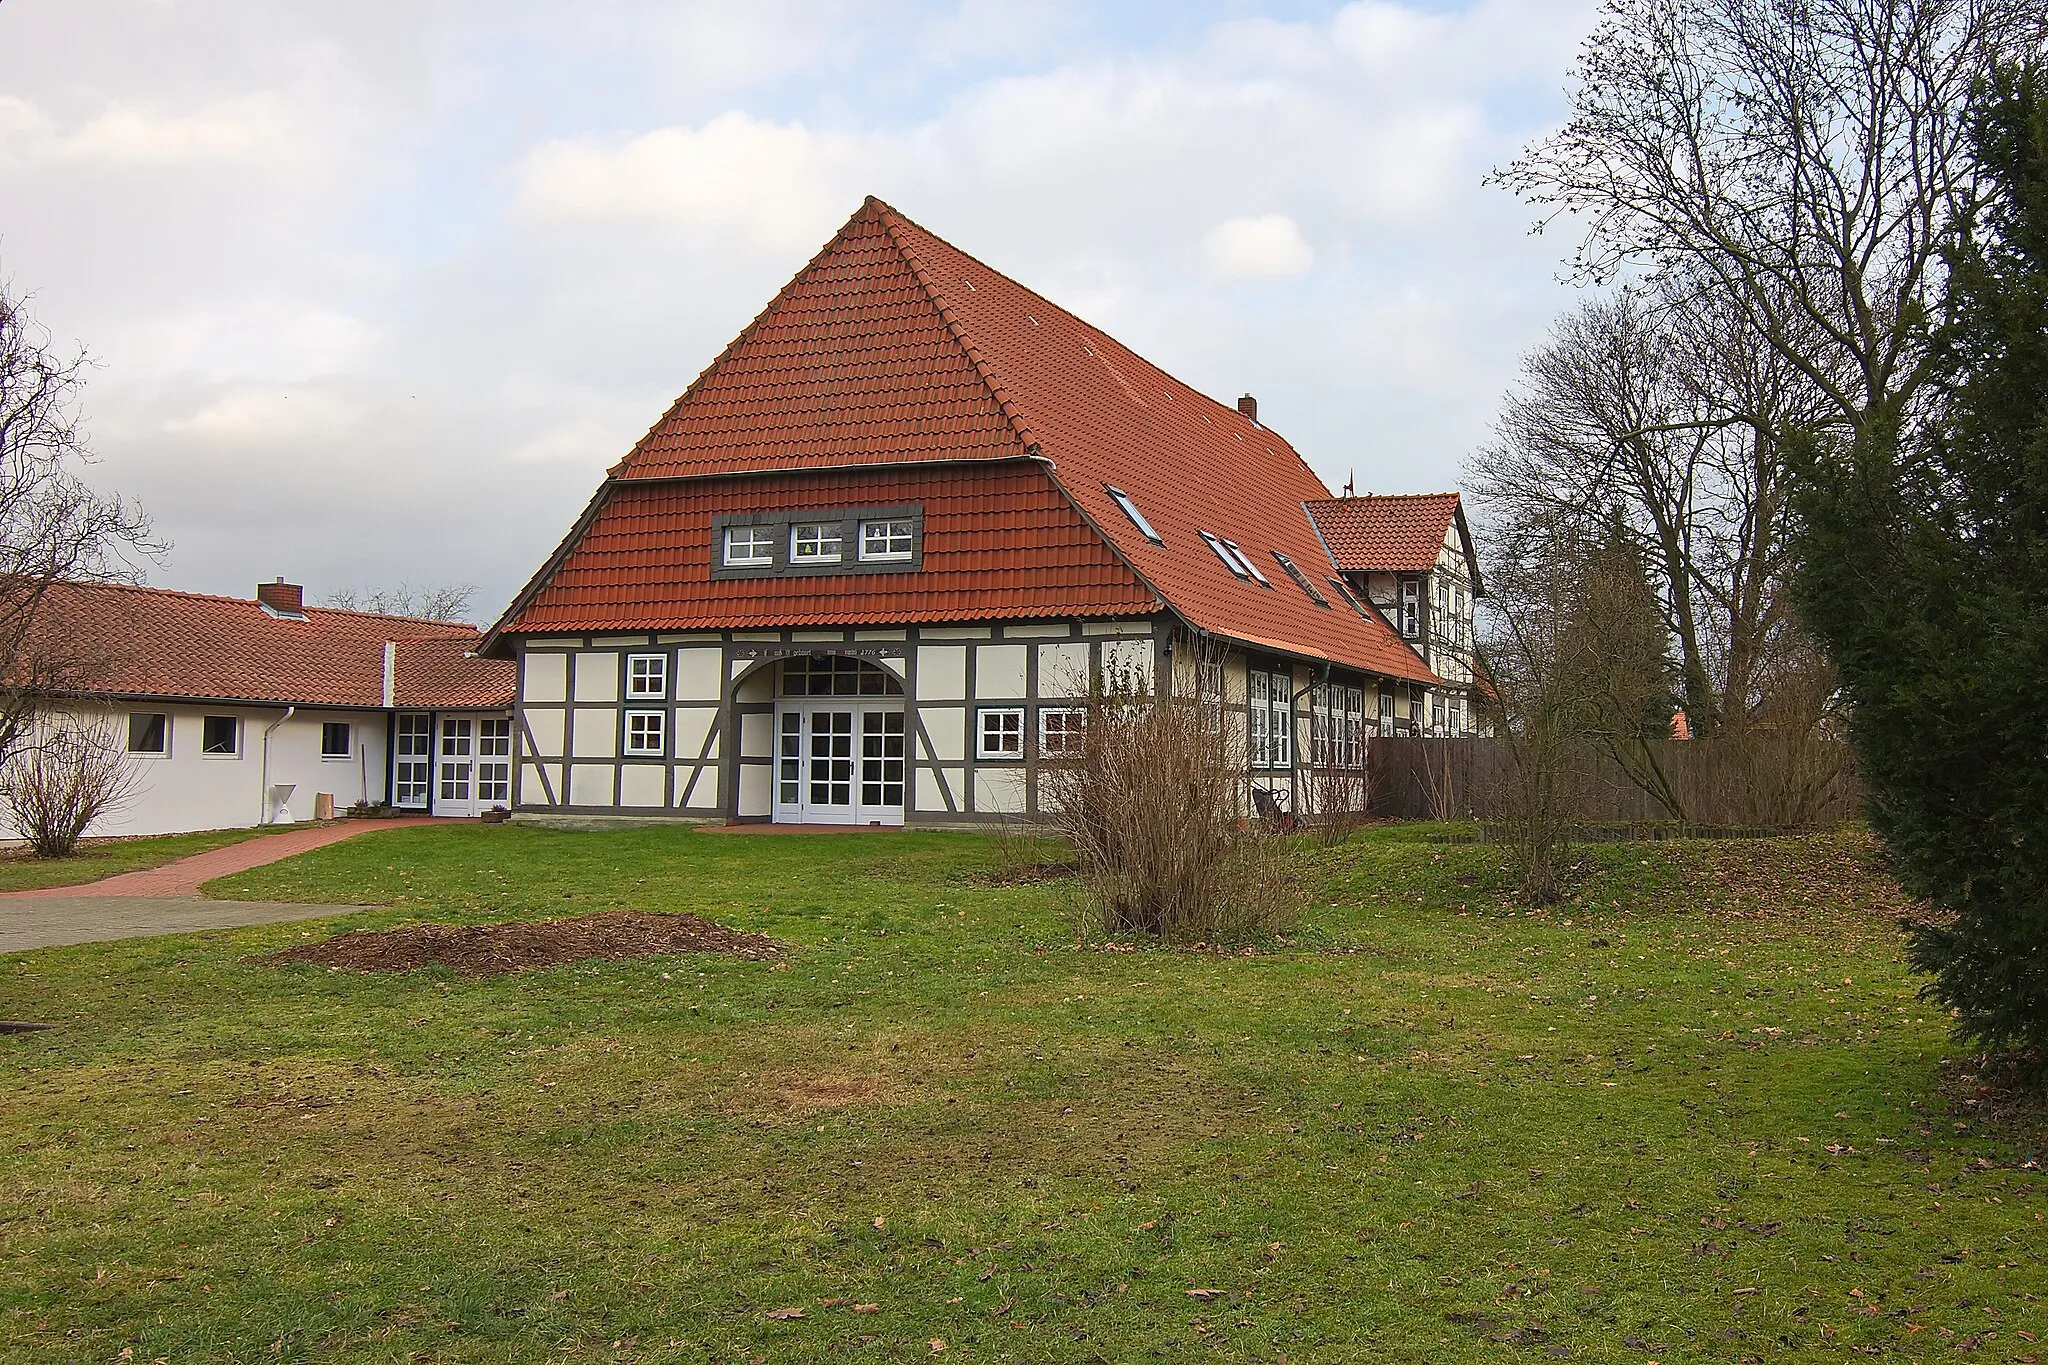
[
  {"x": 1387, "y": 532},
  {"x": 892, "y": 347},
  {"x": 999, "y": 541},
  {"x": 151, "y": 642}
]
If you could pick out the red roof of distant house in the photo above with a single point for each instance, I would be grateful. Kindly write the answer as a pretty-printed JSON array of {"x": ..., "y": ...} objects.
[
  {"x": 151, "y": 642},
  {"x": 1387, "y": 532},
  {"x": 893, "y": 348}
]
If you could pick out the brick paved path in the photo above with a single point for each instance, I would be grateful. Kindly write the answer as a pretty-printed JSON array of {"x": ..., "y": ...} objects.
[{"x": 183, "y": 877}]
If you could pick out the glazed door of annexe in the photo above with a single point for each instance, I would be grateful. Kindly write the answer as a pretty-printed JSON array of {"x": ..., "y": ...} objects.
[{"x": 840, "y": 756}]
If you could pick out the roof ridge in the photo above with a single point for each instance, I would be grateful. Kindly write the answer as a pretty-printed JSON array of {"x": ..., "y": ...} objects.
[
  {"x": 1386, "y": 497},
  {"x": 889, "y": 218},
  {"x": 151, "y": 589},
  {"x": 868, "y": 206}
]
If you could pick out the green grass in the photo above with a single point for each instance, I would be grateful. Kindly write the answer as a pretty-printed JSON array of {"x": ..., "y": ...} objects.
[
  {"x": 1695, "y": 1114},
  {"x": 21, "y": 871}
]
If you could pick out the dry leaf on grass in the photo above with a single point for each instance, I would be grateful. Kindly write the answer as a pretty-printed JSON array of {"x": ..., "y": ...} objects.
[{"x": 783, "y": 1314}]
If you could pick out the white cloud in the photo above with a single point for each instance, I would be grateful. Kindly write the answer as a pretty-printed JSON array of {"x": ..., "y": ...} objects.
[
  {"x": 259, "y": 129},
  {"x": 1269, "y": 246},
  {"x": 777, "y": 185}
]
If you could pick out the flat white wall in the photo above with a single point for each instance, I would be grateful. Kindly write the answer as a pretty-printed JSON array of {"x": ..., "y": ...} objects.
[{"x": 190, "y": 790}]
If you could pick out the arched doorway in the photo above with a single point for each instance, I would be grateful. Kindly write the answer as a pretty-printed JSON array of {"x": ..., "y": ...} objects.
[{"x": 840, "y": 755}]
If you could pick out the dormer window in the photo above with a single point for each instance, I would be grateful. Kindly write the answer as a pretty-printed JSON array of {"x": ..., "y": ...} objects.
[
  {"x": 886, "y": 541},
  {"x": 1130, "y": 509},
  {"x": 749, "y": 547},
  {"x": 815, "y": 542}
]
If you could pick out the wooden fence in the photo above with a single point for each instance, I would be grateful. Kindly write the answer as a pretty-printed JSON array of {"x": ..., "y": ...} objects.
[{"x": 1755, "y": 782}]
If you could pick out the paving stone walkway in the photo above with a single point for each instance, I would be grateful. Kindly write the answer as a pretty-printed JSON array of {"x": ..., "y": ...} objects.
[{"x": 185, "y": 876}]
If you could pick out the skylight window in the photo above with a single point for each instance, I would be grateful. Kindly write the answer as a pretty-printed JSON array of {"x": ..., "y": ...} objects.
[
  {"x": 1249, "y": 567},
  {"x": 1130, "y": 509},
  {"x": 1230, "y": 561},
  {"x": 1301, "y": 580},
  {"x": 1345, "y": 593}
]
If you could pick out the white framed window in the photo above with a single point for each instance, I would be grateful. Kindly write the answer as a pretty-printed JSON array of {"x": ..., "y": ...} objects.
[
  {"x": 646, "y": 676},
  {"x": 647, "y": 734},
  {"x": 335, "y": 736},
  {"x": 886, "y": 542},
  {"x": 1130, "y": 509},
  {"x": 220, "y": 736},
  {"x": 1337, "y": 727},
  {"x": 1000, "y": 733},
  {"x": 149, "y": 732},
  {"x": 1061, "y": 730},
  {"x": 1411, "y": 606},
  {"x": 749, "y": 547},
  {"x": 814, "y": 542},
  {"x": 1272, "y": 719}
]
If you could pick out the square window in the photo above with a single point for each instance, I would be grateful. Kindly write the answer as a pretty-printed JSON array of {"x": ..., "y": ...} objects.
[
  {"x": 149, "y": 732},
  {"x": 334, "y": 739},
  {"x": 1061, "y": 730},
  {"x": 647, "y": 733},
  {"x": 883, "y": 542},
  {"x": 647, "y": 676},
  {"x": 221, "y": 736},
  {"x": 749, "y": 547},
  {"x": 814, "y": 543},
  {"x": 1001, "y": 733}
]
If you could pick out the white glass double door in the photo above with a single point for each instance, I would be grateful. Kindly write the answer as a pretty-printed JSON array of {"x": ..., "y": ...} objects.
[
  {"x": 467, "y": 765},
  {"x": 839, "y": 763}
]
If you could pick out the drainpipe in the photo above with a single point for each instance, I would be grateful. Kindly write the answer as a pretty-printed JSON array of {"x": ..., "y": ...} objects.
[{"x": 263, "y": 795}]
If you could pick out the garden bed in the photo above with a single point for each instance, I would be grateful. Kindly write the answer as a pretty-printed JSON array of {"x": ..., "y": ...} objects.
[{"x": 494, "y": 949}]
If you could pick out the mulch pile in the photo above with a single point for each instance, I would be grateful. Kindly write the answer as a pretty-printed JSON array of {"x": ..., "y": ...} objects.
[{"x": 493, "y": 949}]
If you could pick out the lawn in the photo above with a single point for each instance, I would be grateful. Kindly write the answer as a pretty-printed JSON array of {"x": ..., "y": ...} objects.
[
  {"x": 1695, "y": 1114},
  {"x": 101, "y": 858}
]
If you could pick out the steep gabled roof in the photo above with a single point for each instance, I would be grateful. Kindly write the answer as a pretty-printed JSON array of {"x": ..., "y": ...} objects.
[
  {"x": 894, "y": 348},
  {"x": 1391, "y": 532},
  {"x": 151, "y": 642}
]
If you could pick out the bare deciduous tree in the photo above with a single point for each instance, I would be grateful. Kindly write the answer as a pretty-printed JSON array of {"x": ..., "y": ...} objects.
[
  {"x": 54, "y": 527},
  {"x": 430, "y": 602},
  {"x": 1801, "y": 159},
  {"x": 64, "y": 773}
]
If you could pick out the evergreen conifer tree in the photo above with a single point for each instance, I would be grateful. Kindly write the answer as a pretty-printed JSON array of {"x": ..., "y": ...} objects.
[{"x": 1923, "y": 565}]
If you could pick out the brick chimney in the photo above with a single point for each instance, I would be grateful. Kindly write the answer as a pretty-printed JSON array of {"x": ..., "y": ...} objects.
[
  {"x": 1249, "y": 406},
  {"x": 286, "y": 599}
]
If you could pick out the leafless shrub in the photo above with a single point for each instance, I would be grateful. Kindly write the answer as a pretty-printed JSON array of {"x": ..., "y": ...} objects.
[
  {"x": 64, "y": 774},
  {"x": 427, "y": 602},
  {"x": 1152, "y": 804},
  {"x": 1337, "y": 799}
]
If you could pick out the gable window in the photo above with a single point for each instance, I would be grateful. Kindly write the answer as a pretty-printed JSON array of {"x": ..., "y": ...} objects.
[
  {"x": 334, "y": 739},
  {"x": 1411, "y": 606},
  {"x": 220, "y": 736},
  {"x": 885, "y": 542},
  {"x": 1272, "y": 719},
  {"x": 814, "y": 542},
  {"x": 749, "y": 547},
  {"x": 647, "y": 733},
  {"x": 1001, "y": 733},
  {"x": 1130, "y": 509},
  {"x": 1301, "y": 580},
  {"x": 646, "y": 676},
  {"x": 1061, "y": 731},
  {"x": 149, "y": 732}
]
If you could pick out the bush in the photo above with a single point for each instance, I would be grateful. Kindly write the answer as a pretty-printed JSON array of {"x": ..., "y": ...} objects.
[
  {"x": 64, "y": 775},
  {"x": 1154, "y": 806}
]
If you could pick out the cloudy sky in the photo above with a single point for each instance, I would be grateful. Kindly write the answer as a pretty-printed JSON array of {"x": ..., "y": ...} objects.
[{"x": 379, "y": 289}]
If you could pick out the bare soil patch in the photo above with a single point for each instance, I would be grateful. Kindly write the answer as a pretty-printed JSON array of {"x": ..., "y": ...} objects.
[
  {"x": 806, "y": 1094},
  {"x": 494, "y": 949}
]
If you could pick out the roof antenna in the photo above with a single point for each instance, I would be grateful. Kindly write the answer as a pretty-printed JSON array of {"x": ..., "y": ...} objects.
[{"x": 1351, "y": 485}]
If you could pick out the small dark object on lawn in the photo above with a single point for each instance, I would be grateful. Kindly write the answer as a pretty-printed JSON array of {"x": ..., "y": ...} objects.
[
  {"x": 493, "y": 949},
  {"x": 18, "y": 1026},
  {"x": 496, "y": 815}
]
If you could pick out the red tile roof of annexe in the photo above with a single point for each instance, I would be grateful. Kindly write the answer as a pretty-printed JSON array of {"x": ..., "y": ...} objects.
[
  {"x": 892, "y": 347},
  {"x": 152, "y": 642},
  {"x": 1387, "y": 532}
]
